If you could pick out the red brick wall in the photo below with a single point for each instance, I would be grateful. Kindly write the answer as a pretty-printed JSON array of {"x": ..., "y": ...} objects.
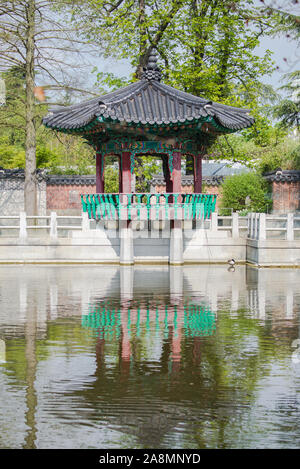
[
  {"x": 188, "y": 189},
  {"x": 286, "y": 196},
  {"x": 214, "y": 190},
  {"x": 66, "y": 197},
  {"x": 184, "y": 189}
]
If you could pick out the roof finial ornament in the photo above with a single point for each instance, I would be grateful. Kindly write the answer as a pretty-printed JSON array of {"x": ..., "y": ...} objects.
[{"x": 152, "y": 71}]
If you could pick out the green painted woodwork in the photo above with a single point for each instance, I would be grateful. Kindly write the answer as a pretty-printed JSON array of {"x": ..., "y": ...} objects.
[{"x": 141, "y": 206}]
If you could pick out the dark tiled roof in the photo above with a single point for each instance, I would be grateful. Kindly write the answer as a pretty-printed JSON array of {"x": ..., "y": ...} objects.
[
  {"x": 148, "y": 102},
  {"x": 283, "y": 175},
  {"x": 71, "y": 180},
  {"x": 20, "y": 174}
]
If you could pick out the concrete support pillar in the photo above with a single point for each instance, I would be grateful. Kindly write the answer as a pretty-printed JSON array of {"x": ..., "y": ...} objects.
[
  {"x": 176, "y": 243},
  {"x": 198, "y": 175},
  {"x": 126, "y": 243},
  {"x": 99, "y": 173}
]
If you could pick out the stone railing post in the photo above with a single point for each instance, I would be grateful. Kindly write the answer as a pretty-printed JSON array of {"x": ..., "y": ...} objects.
[
  {"x": 290, "y": 227},
  {"x": 262, "y": 226},
  {"x": 53, "y": 225},
  {"x": 85, "y": 222},
  {"x": 23, "y": 225},
  {"x": 235, "y": 225},
  {"x": 249, "y": 225},
  {"x": 214, "y": 221}
]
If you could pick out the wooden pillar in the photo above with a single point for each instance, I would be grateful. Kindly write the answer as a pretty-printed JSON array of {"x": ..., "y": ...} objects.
[
  {"x": 198, "y": 175},
  {"x": 120, "y": 175},
  {"x": 126, "y": 173},
  {"x": 176, "y": 172},
  {"x": 99, "y": 173}
]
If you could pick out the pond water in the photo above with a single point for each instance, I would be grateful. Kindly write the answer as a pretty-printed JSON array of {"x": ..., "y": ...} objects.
[{"x": 149, "y": 357}]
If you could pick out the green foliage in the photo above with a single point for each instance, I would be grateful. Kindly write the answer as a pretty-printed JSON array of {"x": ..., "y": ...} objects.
[
  {"x": 288, "y": 109},
  {"x": 111, "y": 179},
  {"x": 245, "y": 191},
  {"x": 108, "y": 81},
  {"x": 285, "y": 155},
  {"x": 145, "y": 168},
  {"x": 207, "y": 48}
]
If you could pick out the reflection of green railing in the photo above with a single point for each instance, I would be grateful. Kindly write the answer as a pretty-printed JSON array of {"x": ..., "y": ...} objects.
[
  {"x": 149, "y": 206},
  {"x": 198, "y": 320},
  {"x": 105, "y": 319}
]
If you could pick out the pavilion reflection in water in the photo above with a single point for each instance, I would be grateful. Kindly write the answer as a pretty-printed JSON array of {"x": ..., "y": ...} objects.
[{"x": 130, "y": 321}]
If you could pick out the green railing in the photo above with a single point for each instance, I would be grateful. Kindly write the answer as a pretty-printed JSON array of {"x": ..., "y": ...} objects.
[{"x": 149, "y": 206}]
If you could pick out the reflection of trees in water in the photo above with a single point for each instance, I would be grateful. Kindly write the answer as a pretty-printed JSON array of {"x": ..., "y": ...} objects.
[
  {"x": 202, "y": 381},
  {"x": 206, "y": 384}
]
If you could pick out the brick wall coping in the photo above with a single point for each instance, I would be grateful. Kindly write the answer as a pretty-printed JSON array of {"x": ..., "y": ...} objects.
[
  {"x": 20, "y": 174},
  {"x": 188, "y": 180},
  {"x": 71, "y": 180},
  {"x": 51, "y": 179},
  {"x": 286, "y": 175}
]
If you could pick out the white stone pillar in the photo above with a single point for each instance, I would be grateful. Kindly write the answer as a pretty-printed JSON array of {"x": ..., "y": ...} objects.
[
  {"x": 85, "y": 223},
  {"x": 126, "y": 243},
  {"x": 53, "y": 225},
  {"x": 262, "y": 226},
  {"x": 176, "y": 243},
  {"x": 23, "y": 225},
  {"x": 290, "y": 227},
  {"x": 235, "y": 225},
  {"x": 214, "y": 222}
]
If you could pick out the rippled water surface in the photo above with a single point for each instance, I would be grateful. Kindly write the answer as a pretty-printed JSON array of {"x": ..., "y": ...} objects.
[{"x": 149, "y": 357}]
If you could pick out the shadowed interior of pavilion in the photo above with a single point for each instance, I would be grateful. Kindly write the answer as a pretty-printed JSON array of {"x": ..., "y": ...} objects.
[{"x": 148, "y": 117}]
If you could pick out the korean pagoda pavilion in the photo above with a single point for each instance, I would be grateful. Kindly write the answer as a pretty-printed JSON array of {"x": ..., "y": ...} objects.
[{"x": 148, "y": 117}]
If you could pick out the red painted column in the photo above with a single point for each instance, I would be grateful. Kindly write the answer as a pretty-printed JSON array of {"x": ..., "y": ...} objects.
[
  {"x": 176, "y": 175},
  {"x": 99, "y": 176},
  {"x": 126, "y": 173},
  {"x": 120, "y": 174},
  {"x": 198, "y": 174},
  {"x": 169, "y": 182}
]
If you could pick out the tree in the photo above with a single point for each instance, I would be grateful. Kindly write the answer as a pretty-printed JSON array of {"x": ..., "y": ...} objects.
[
  {"x": 35, "y": 40},
  {"x": 204, "y": 44},
  {"x": 288, "y": 110},
  {"x": 245, "y": 191},
  {"x": 207, "y": 47}
]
